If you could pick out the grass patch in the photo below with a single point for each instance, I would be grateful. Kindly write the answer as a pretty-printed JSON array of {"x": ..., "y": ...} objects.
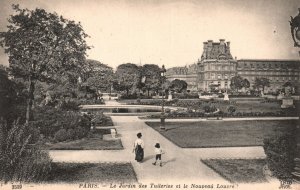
[
  {"x": 239, "y": 170},
  {"x": 222, "y": 133},
  {"x": 93, "y": 142},
  {"x": 92, "y": 172}
]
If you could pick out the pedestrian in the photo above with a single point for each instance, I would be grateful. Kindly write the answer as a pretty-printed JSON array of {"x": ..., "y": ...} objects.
[
  {"x": 158, "y": 151},
  {"x": 138, "y": 148}
]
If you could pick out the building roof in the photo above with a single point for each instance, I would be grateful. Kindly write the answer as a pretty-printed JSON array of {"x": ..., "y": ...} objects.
[
  {"x": 269, "y": 60},
  {"x": 216, "y": 50}
]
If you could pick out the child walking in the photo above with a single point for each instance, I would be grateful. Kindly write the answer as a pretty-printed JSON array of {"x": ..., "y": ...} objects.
[{"x": 158, "y": 151}]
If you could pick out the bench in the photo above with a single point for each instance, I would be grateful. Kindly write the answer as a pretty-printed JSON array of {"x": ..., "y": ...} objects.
[{"x": 113, "y": 133}]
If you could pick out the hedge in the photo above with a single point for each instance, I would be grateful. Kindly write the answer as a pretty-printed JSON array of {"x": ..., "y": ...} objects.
[{"x": 281, "y": 151}]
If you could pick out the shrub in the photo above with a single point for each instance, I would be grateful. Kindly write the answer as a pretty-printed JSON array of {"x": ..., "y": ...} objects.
[
  {"x": 129, "y": 96},
  {"x": 186, "y": 95},
  {"x": 35, "y": 167},
  {"x": 102, "y": 120},
  {"x": 231, "y": 109},
  {"x": 18, "y": 161},
  {"x": 50, "y": 120},
  {"x": 80, "y": 132},
  {"x": 71, "y": 134},
  {"x": 280, "y": 151},
  {"x": 209, "y": 108},
  {"x": 61, "y": 135},
  {"x": 34, "y": 132},
  {"x": 70, "y": 105}
]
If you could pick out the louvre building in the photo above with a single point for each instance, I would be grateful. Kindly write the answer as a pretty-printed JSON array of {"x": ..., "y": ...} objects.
[{"x": 217, "y": 66}]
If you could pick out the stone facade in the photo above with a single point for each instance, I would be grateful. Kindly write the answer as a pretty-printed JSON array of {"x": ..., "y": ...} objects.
[
  {"x": 188, "y": 74},
  {"x": 277, "y": 71},
  {"x": 217, "y": 67}
]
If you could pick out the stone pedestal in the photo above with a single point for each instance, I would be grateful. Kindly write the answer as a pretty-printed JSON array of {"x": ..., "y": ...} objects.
[
  {"x": 226, "y": 97},
  {"x": 287, "y": 102},
  {"x": 170, "y": 97}
]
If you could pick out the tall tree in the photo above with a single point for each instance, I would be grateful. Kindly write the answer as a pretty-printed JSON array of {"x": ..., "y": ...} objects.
[
  {"x": 150, "y": 77},
  {"x": 236, "y": 83},
  {"x": 261, "y": 83},
  {"x": 43, "y": 46},
  {"x": 128, "y": 77},
  {"x": 100, "y": 77}
]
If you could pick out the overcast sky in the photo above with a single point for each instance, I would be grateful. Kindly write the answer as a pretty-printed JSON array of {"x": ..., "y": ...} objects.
[{"x": 173, "y": 32}]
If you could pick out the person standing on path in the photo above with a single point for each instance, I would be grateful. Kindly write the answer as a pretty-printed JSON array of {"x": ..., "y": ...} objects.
[
  {"x": 139, "y": 148},
  {"x": 158, "y": 151}
]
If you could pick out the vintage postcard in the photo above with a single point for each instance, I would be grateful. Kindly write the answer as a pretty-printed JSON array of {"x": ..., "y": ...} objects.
[{"x": 129, "y": 94}]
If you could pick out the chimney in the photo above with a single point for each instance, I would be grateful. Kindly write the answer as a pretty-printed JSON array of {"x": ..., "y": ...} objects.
[
  {"x": 204, "y": 46},
  {"x": 209, "y": 42},
  {"x": 228, "y": 44},
  {"x": 222, "y": 41}
]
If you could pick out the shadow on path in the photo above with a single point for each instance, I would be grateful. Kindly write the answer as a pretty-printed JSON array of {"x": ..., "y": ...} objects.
[
  {"x": 150, "y": 157},
  {"x": 168, "y": 161}
]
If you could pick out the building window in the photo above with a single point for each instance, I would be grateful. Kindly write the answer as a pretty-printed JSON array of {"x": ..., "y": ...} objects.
[
  {"x": 219, "y": 76},
  {"x": 213, "y": 75},
  {"x": 226, "y": 76}
]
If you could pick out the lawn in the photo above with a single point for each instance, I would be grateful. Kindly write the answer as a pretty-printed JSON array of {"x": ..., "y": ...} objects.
[
  {"x": 239, "y": 170},
  {"x": 241, "y": 105},
  {"x": 222, "y": 133},
  {"x": 94, "y": 142},
  {"x": 92, "y": 172}
]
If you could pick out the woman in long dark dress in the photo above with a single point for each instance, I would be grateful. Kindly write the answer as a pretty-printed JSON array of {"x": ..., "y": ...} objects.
[{"x": 139, "y": 148}]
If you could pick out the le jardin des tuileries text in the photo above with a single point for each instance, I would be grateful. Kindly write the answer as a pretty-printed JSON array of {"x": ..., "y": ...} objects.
[{"x": 174, "y": 186}]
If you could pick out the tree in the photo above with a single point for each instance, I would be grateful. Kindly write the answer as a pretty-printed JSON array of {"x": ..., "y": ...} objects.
[
  {"x": 288, "y": 88},
  {"x": 100, "y": 76},
  {"x": 178, "y": 85},
  {"x": 246, "y": 83},
  {"x": 261, "y": 83},
  {"x": 12, "y": 97},
  {"x": 128, "y": 77},
  {"x": 42, "y": 47},
  {"x": 236, "y": 83},
  {"x": 150, "y": 77}
]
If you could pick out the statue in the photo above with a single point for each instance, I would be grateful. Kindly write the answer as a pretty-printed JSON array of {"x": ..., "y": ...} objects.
[{"x": 226, "y": 97}]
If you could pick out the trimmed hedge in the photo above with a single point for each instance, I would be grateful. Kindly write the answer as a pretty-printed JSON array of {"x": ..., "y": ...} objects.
[{"x": 186, "y": 95}]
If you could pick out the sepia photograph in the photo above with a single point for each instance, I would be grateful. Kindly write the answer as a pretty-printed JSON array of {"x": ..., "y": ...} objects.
[{"x": 149, "y": 94}]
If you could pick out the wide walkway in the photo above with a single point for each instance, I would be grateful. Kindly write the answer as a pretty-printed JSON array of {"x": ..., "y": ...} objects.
[{"x": 179, "y": 165}]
